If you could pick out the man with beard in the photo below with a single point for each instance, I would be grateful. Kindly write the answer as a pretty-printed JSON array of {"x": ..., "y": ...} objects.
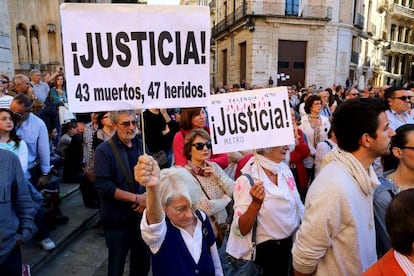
[{"x": 337, "y": 235}]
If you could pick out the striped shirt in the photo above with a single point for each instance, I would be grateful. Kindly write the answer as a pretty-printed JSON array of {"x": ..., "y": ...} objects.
[{"x": 405, "y": 263}]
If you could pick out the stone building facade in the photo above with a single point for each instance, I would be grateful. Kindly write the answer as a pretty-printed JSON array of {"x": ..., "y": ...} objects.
[
  {"x": 30, "y": 35},
  {"x": 311, "y": 42},
  {"x": 6, "y": 51}
]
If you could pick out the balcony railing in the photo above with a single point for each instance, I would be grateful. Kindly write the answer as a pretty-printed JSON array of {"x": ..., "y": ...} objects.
[
  {"x": 354, "y": 57},
  {"x": 359, "y": 21},
  {"x": 402, "y": 11},
  {"x": 271, "y": 9},
  {"x": 403, "y": 48}
]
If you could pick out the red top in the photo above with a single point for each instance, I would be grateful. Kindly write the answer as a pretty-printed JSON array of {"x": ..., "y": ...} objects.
[
  {"x": 386, "y": 266},
  {"x": 221, "y": 159}
]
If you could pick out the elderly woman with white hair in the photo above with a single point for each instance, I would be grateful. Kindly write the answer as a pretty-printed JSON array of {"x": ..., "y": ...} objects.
[
  {"x": 274, "y": 202},
  {"x": 180, "y": 238}
]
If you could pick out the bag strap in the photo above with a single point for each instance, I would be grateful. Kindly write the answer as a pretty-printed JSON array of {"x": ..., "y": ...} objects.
[
  {"x": 329, "y": 144},
  {"x": 123, "y": 167},
  {"x": 203, "y": 228},
  {"x": 251, "y": 181},
  {"x": 201, "y": 186}
]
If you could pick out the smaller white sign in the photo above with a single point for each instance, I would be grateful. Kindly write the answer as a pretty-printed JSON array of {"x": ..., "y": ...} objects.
[{"x": 250, "y": 120}]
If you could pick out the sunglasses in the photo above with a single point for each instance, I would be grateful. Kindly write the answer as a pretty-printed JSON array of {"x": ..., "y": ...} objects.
[
  {"x": 17, "y": 115},
  {"x": 403, "y": 98},
  {"x": 200, "y": 146},
  {"x": 354, "y": 94},
  {"x": 128, "y": 123}
]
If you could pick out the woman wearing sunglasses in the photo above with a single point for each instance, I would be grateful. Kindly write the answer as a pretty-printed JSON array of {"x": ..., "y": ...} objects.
[
  {"x": 190, "y": 118},
  {"x": 214, "y": 185}
]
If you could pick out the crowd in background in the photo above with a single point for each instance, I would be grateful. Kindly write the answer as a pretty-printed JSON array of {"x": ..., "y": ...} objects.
[{"x": 54, "y": 145}]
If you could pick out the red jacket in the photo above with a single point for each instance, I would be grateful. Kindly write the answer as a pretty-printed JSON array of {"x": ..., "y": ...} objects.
[
  {"x": 386, "y": 266},
  {"x": 300, "y": 152}
]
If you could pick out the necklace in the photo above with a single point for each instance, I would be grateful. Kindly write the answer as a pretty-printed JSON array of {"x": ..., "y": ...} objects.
[
  {"x": 314, "y": 116},
  {"x": 397, "y": 187}
]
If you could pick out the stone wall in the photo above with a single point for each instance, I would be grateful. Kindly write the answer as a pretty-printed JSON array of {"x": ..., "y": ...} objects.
[{"x": 6, "y": 53}]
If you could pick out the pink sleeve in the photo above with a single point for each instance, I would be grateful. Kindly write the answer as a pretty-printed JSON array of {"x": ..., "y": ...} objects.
[{"x": 178, "y": 150}]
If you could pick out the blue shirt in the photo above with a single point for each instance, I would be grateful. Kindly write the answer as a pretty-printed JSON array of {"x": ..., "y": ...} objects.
[
  {"x": 34, "y": 132},
  {"x": 383, "y": 195},
  {"x": 41, "y": 90},
  {"x": 396, "y": 120}
]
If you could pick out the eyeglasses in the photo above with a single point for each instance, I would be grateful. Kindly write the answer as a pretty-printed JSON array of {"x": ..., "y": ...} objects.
[
  {"x": 200, "y": 146},
  {"x": 17, "y": 115},
  {"x": 354, "y": 94},
  {"x": 407, "y": 147},
  {"x": 402, "y": 98},
  {"x": 128, "y": 123}
]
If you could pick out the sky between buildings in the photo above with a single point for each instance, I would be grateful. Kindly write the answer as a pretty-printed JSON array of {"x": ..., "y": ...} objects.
[{"x": 163, "y": 2}]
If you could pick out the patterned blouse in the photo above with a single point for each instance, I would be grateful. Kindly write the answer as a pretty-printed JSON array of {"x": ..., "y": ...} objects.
[{"x": 215, "y": 189}]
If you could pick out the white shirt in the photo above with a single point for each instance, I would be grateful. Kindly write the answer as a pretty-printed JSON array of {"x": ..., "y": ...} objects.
[
  {"x": 154, "y": 236},
  {"x": 321, "y": 150},
  {"x": 395, "y": 120},
  {"x": 278, "y": 217},
  {"x": 406, "y": 265},
  {"x": 5, "y": 101}
]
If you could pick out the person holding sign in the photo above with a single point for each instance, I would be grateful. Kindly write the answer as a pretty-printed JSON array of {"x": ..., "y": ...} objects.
[
  {"x": 194, "y": 117},
  {"x": 180, "y": 237},
  {"x": 213, "y": 184},
  {"x": 274, "y": 202},
  {"x": 122, "y": 199}
]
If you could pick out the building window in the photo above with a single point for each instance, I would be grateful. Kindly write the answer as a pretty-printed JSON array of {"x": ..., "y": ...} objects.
[
  {"x": 403, "y": 63},
  {"x": 224, "y": 60},
  {"x": 407, "y": 35},
  {"x": 389, "y": 63},
  {"x": 392, "y": 32},
  {"x": 242, "y": 47},
  {"x": 283, "y": 64},
  {"x": 299, "y": 65},
  {"x": 400, "y": 33},
  {"x": 396, "y": 65},
  {"x": 292, "y": 7}
]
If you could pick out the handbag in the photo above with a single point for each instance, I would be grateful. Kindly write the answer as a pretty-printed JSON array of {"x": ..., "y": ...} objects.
[
  {"x": 161, "y": 158},
  {"x": 65, "y": 115},
  {"x": 233, "y": 266},
  {"x": 219, "y": 228}
]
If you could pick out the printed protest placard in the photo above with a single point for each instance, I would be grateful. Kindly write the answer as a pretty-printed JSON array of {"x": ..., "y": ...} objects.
[
  {"x": 250, "y": 120},
  {"x": 122, "y": 56}
]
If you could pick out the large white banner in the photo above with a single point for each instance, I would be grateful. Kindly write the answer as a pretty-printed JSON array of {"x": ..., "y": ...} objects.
[
  {"x": 250, "y": 120},
  {"x": 124, "y": 56}
]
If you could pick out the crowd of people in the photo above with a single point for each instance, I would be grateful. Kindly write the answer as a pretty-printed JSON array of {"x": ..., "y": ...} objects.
[{"x": 318, "y": 207}]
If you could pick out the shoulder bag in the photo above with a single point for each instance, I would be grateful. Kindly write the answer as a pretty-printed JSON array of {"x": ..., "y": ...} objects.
[{"x": 232, "y": 266}]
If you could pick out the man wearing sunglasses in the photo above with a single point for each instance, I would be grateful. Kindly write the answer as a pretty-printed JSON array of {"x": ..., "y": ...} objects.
[
  {"x": 122, "y": 200},
  {"x": 399, "y": 101}
]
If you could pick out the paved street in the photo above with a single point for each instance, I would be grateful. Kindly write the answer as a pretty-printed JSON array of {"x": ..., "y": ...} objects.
[{"x": 84, "y": 257}]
